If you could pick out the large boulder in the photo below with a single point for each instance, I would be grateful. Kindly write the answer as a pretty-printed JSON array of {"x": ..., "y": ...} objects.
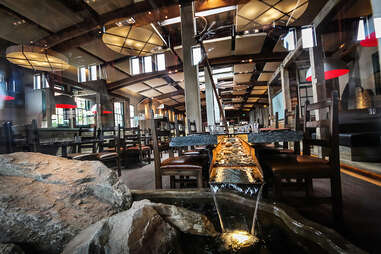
[
  {"x": 10, "y": 248},
  {"x": 145, "y": 228},
  {"x": 46, "y": 200}
]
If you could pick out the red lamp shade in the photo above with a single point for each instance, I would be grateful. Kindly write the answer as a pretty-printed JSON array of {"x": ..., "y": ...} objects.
[
  {"x": 370, "y": 41},
  {"x": 104, "y": 112},
  {"x": 6, "y": 98},
  {"x": 333, "y": 68},
  {"x": 63, "y": 101}
]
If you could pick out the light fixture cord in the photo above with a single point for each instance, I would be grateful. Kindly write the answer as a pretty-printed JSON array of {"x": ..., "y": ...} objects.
[{"x": 293, "y": 11}]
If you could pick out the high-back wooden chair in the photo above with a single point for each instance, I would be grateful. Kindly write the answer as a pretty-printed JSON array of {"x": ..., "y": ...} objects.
[{"x": 310, "y": 167}]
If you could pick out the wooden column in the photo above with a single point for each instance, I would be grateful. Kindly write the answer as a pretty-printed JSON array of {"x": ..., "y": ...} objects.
[
  {"x": 317, "y": 70},
  {"x": 209, "y": 96},
  {"x": 285, "y": 79},
  {"x": 156, "y": 153},
  {"x": 126, "y": 111},
  {"x": 192, "y": 90},
  {"x": 269, "y": 93},
  {"x": 99, "y": 110}
]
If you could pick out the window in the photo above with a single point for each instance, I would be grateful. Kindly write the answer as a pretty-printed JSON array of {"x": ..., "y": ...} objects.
[
  {"x": 82, "y": 74},
  {"x": 118, "y": 113},
  {"x": 93, "y": 72},
  {"x": 135, "y": 65},
  {"x": 83, "y": 113},
  {"x": 308, "y": 37},
  {"x": 196, "y": 55},
  {"x": 160, "y": 59},
  {"x": 40, "y": 81},
  {"x": 147, "y": 64},
  {"x": 132, "y": 116},
  {"x": 305, "y": 94},
  {"x": 60, "y": 119}
]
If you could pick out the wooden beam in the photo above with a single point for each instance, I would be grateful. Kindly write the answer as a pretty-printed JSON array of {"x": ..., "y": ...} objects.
[
  {"x": 169, "y": 95},
  {"x": 135, "y": 79},
  {"x": 324, "y": 12}
]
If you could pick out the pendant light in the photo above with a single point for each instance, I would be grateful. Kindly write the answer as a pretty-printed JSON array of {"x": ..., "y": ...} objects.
[
  {"x": 36, "y": 58},
  {"x": 333, "y": 68},
  {"x": 366, "y": 34},
  {"x": 4, "y": 97},
  {"x": 105, "y": 109},
  {"x": 64, "y": 101}
]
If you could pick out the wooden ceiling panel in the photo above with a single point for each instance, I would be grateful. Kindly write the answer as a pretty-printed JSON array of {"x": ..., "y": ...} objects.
[
  {"x": 150, "y": 93},
  {"x": 248, "y": 67},
  {"x": 177, "y": 76},
  {"x": 138, "y": 87},
  {"x": 20, "y": 33},
  {"x": 155, "y": 82},
  {"x": 249, "y": 44},
  {"x": 52, "y": 15},
  {"x": 265, "y": 76},
  {"x": 166, "y": 89},
  {"x": 271, "y": 66},
  {"x": 102, "y": 7},
  {"x": 242, "y": 78},
  {"x": 98, "y": 48}
]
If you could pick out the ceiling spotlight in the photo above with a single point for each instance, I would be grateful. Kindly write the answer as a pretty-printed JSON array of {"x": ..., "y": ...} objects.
[
  {"x": 256, "y": 30},
  {"x": 246, "y": 32}
]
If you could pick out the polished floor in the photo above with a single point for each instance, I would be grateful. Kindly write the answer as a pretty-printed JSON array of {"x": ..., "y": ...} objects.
[{"x": 361, "y": 222}]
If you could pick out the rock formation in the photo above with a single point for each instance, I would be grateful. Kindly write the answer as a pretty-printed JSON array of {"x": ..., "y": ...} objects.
[
  {"x": 46, "y": 200},
  {"x": 145, "y": 228}
]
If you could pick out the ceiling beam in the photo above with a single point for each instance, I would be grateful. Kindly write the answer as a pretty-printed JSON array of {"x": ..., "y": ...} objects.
[
  {"x": 135, "y": 79},
  {"x": 169, "y": 95}
]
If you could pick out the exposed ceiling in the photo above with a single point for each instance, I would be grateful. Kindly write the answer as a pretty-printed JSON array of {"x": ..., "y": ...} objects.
[{"x": 73, "y": 28}]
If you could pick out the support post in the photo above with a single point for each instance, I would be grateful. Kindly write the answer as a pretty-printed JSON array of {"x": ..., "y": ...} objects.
[
  {"x": 376, "y": 13},
  {"x": 192, "y": 89},
  {"x": 156, "y": 153},
  {"x": 285, "y": 79},
  {"x": 209, "y": 96},
  {"x": 99, "y": 111}
]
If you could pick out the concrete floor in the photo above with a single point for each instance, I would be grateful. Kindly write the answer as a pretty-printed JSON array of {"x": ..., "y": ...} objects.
[{"x": 141, "y": 176}]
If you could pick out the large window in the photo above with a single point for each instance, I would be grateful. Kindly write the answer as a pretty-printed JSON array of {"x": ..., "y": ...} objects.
[
  {"x": 147, "y": 64},
  {"x": 82, "y": 74},
  {"x": 118, "y": 113},
  {"x": 40, "y": 81},
  {"x": 160, "y": 61},
  {"x": 135, "y": 66},
  {"x": 83, "y": 113},
  {"x": 132, "y": 117},
  {"x": 93, "y": 72},
  {"x": 60, "y": 119}
]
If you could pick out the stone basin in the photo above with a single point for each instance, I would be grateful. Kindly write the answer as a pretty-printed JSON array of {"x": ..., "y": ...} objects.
[{"x": 310, "y": 237}]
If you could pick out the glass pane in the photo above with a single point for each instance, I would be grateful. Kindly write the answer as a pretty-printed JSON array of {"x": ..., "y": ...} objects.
[
  {"x": 160, "y": 62},
  {"x": 93, "y": 72},
  {"x": 135, "y": 66},
  {"x": 148, "y": 64}
]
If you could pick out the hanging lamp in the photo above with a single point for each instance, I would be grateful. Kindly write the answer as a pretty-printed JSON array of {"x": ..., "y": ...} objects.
[
  {"x": 105, "y": 110},
  {"x": 370, "y": 41},
  {"x": 64, "y": 101},
  {"x": 36, "y": 58},
  {"x": 6, "y": 97},
  {"x": 333, "y": 68}
]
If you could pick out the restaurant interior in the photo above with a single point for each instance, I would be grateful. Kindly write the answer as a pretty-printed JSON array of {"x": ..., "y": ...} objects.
[{"x": 190, "y": 126}]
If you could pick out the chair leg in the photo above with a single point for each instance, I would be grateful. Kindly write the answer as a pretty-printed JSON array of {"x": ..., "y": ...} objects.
[
  {"x": 277, "y": 187},
  {"x": 118, "y": 166},
  {"x": 337, "y": 200},
  {"x": 181, "y": 181},
  {"x": 172, "y": 182},
  {"x": 199, "y": 179},
  {"x": 309, "y": 187}
]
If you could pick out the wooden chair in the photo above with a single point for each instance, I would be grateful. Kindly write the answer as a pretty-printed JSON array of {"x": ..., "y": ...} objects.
[
  {"x": 109, "y": 155},
  {"x": 84, "y": 151},
  {"x": 309, "y": 167},
  {"x": 135, "y": 143}
]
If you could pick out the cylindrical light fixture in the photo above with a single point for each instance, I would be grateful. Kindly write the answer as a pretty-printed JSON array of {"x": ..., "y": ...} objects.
[
  {"x": 64, "y": 101},
  {"x": 333, "y": 68},
  {"x": 36, "y": 58}
]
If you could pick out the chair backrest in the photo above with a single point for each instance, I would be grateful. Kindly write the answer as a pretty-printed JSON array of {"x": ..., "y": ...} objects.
[
  {"x": 87, "y": 134},
  {"x": 329, "y": 128},
  {"x": 132, "y": 137},
  {"x": 295, "y": 125}
]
